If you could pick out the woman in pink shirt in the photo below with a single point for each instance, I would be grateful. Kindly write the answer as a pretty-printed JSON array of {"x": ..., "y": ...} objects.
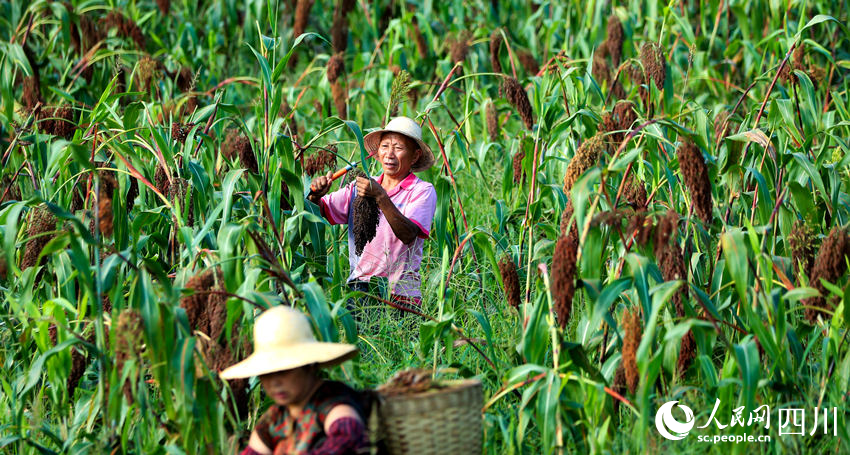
[{"x": 407, "y": 205}]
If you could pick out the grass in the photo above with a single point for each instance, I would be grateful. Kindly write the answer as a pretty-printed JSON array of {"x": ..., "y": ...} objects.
[{"x": 719, "y": 278}]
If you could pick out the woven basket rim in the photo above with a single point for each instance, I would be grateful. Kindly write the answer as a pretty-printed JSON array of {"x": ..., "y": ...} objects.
[
  {"x": 455, "y": 408},
  {"x": 448, "y": 386}
]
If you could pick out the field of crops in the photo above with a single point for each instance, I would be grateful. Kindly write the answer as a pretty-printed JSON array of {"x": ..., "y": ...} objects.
[{"x": 638, "y": 203}]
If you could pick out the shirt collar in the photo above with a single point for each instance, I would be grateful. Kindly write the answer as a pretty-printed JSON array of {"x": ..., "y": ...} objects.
[{"x": 405, "y": 184}]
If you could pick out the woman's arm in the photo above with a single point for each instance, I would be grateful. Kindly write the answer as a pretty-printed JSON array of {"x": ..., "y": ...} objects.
[
  {"x": 403, "y": 228},
  {"x": 344, "y": 430}
]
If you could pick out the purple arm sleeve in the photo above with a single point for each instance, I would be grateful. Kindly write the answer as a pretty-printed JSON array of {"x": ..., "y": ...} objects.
[{"x": 345, "y": 435}]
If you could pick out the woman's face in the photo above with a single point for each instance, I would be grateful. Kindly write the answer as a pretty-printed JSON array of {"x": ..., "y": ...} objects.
[
  {"x": 397, "y": 154},
  {"x": 290, "y": 386}
]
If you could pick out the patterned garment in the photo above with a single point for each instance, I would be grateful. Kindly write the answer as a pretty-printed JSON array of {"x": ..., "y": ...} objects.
[
  {"x": 344, "y": 437},
  {"x": 291, "y": 436},
  {"x": 386, "y": 255}
]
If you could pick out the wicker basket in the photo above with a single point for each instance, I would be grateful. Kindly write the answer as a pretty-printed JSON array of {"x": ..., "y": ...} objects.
[{"x": 438, "y": 421}]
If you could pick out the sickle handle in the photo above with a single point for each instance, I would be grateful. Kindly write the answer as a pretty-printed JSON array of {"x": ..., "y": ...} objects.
[
  {"x": 338, "y": 174},
  {"x": 341, "y": 172}
]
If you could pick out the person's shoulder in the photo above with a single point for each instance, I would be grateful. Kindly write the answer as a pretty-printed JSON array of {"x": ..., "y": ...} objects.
[
  {"x": 333, "y": 393},
  {"x": 336, "y": 388},
  {"x": 423, "y": 185}
]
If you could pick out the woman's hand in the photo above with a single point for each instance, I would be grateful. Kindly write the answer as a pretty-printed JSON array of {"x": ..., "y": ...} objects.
[
  {"x": 320, "y": 186},
  {"x": 370, "y": 188}
]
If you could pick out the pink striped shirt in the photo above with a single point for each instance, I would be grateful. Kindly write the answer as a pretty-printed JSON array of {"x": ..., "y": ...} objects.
[{"x": 386, "y": 255}]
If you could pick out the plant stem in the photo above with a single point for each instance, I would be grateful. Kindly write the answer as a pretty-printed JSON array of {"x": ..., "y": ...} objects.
[
  {"x": 589, "y": 215},
  {"x": 531, "y": 198},
  {"x": 451, "y": 174},
  {"x": 556, "y": 347}
]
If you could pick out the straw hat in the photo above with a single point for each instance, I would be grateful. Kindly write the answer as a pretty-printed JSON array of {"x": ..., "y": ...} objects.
[
  {"x": 283, "y": 340},
  {"x": 409, "y": 128}
]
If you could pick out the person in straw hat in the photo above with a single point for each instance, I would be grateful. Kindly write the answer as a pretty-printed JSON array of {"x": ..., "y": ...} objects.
[
  {"x": 407, "y": 205},
  {"x": 310, "y": 415}
]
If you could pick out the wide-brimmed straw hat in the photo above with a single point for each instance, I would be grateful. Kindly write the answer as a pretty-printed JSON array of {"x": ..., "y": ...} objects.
[
  {"x": 409, "y": 128},
  {"x": 283, "y": 340}
]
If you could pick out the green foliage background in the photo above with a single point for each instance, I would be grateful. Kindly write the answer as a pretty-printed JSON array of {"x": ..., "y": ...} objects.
[{"x": 547, "y": 389}]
